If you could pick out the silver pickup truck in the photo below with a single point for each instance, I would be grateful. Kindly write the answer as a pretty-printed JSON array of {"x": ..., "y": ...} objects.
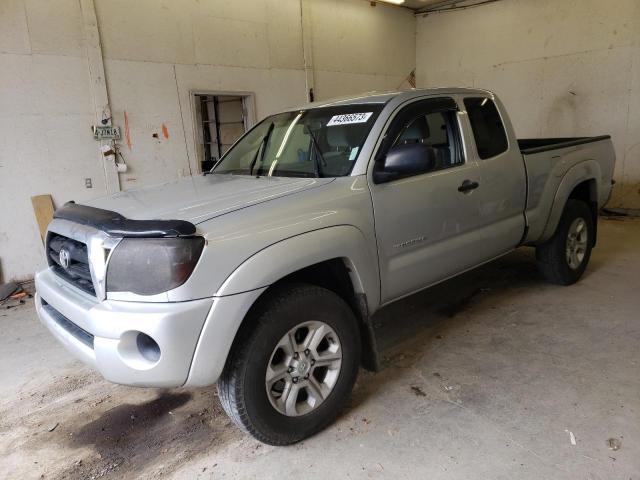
[{"x": 262, "y": 274}]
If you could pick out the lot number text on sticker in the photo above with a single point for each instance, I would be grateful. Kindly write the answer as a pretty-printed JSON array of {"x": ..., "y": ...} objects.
[{"x": 349, "y": 118}]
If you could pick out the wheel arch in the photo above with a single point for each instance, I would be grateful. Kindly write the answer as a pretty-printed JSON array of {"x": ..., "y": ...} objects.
[
  {"x": 339, "y": 260},
  {"x": 338, "y": 275},
  {"x": 580, "y": 183},
  {"x": 296, "y": 253}
]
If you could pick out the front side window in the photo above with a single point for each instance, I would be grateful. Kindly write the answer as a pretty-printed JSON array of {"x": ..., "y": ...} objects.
[
  {"x": 487, "y": 127},
  {"x": 319, "y": 142},
  {"x": 434, "y": 129},
  {"x": 423, "y": 137}
]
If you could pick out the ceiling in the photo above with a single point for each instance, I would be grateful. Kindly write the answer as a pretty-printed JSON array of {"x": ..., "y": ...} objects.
[
  {"x": 426, "y": 5},
  {"x": 419, "y": 4}
]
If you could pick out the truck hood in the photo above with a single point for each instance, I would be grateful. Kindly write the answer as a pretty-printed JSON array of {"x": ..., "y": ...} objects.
[{"x": 201, "y": 198}]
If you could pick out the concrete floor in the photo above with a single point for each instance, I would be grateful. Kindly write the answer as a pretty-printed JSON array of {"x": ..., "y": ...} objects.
[{"x": 488, "y": 376}]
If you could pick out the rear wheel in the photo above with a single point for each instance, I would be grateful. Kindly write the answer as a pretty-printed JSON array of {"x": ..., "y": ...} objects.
[
  {"x": 564, "y": 257},
  {"x": 293, "y": 366}
]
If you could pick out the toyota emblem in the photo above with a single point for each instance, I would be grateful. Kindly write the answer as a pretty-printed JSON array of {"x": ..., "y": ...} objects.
[{"x": 65, "y": 258}]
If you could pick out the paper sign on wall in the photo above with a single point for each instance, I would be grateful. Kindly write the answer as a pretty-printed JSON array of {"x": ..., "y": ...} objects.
[
  {"x": 103, "y": 132},
  {"x": 348, "y": 118}
]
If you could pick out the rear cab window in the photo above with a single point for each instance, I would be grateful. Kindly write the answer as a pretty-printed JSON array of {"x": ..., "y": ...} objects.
[{"x": 487, "y": 127}]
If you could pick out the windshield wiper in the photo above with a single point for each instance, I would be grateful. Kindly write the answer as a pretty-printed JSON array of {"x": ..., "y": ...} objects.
[
  {"x": 318, "y": 156},
  {"x": 261, "y": 150}
]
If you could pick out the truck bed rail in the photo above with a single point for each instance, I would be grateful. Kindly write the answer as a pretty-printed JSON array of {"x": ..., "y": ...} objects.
[{"x": 537, "y": 145}]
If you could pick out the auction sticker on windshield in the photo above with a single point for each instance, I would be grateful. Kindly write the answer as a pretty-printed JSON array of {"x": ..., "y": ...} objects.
[{"x": 348, "y": 118}]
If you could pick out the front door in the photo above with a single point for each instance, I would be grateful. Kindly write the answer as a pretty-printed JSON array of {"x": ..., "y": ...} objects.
[{"x": 426, "y": 224}]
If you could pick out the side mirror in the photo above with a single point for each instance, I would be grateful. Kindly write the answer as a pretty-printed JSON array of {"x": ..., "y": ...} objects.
[{"x": 404, "y": 161}]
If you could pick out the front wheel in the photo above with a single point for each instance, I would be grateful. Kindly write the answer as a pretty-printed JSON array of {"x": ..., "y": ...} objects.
[
  {"x": 564, "y": 257},
  {"x": 293, "y": 366}
]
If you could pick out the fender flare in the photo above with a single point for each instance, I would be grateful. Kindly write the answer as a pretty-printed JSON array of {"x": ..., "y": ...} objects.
[
  {"x": 295, "y": 253},
  {"x": 579, "y": 173}
]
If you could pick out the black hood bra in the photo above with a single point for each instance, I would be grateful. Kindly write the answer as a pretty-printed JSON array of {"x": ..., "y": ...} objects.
[{"x": 115, "y": 225}]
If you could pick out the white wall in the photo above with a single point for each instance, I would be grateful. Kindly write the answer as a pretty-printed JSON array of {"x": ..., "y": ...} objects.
[
  {"x": 45, "y": 116},
  {"x": 154, "y": 58},
  {"x": 359, "y": 48},
  {"x": 562, "y": 67},
  {"x": 155, "y": 53}
]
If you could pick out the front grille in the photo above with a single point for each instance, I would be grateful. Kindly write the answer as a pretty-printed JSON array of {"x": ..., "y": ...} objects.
[
  {"x": 79, "y": 333},
  {"x": 77, "y": 272}
]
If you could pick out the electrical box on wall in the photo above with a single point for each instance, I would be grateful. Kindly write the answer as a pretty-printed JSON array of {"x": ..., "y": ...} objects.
[{"x": 102, "y": 132}]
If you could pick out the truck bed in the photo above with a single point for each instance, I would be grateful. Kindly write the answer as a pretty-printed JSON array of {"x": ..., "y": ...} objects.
[
  {"x": 548, "y": 162},
  {"x": 537, "y": 145}
]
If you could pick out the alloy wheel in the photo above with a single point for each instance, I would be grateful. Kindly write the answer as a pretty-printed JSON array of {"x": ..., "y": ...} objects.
[{"x": 304, "y": 368}]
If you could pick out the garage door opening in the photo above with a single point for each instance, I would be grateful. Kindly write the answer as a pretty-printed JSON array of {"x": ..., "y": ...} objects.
[{"x": 220, "y": 121}]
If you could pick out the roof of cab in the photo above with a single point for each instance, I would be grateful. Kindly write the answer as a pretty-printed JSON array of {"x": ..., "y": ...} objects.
[{"x": 384, "y": 97}]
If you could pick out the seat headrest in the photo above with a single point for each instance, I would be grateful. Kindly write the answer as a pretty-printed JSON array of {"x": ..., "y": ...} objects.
[
  {"x": 416, "y": 132},
  {"x": 337, "y": 136}
]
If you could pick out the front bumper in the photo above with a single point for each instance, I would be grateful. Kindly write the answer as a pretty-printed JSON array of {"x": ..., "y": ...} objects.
[{"x": 104, "y": 334}]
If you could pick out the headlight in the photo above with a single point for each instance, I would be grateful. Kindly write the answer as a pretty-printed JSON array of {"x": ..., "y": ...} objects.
[{"x": 148, "y": 266}]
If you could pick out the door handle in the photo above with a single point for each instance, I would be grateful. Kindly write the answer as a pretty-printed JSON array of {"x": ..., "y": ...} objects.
[{"x": 467, "y": 186}]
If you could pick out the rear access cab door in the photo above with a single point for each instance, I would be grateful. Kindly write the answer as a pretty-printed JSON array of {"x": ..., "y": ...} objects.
[
  {"x": 435, "y": 224},
  {"x": 494, "y": 146}
]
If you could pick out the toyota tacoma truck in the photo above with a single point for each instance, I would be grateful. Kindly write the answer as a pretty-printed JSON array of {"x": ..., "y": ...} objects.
[{"x": 262, "y": 274}]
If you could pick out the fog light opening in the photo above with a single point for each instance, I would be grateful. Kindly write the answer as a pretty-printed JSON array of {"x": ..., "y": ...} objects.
[{"x": 148, "y": 347}]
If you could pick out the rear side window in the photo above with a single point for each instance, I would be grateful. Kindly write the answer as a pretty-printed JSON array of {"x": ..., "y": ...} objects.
[{"x": 488, "y": 130}]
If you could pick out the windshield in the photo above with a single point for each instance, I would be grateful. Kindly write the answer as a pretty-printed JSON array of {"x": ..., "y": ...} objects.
[{"x": 320, "y": 142}]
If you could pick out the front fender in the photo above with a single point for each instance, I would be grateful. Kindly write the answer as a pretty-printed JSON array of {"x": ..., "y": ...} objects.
[
  {"x": 244, "y": 286},
  {"x": 583, "y": 171},
  {"x": 292, "y": 254}
]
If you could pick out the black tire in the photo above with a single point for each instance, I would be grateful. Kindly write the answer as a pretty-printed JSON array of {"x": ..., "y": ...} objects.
[
  {"x": 551, "y": 256},
  {"x": 241, "y": 387}
]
